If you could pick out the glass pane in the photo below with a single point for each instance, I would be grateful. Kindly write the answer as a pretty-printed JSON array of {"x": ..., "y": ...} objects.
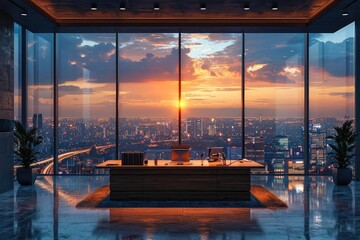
[
  {"x": 211, "y": 93},
  {"x": 86, "y": 75},
  {"x": 274, "y": 101},
  {"x": 331, "y": 91},
  {"x": 40, "y": 103},
  {"x": 148, "y": 93},
  {"x": 17, "y": 71}
]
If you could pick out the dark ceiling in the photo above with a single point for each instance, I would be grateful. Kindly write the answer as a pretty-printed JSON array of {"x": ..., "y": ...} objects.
[
  {"x": 108, "y": 11},
  {"x": 223, "y": 15}
]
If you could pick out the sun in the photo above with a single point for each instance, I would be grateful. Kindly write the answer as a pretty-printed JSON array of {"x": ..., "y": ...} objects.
[{"x": 182, "y": 103}]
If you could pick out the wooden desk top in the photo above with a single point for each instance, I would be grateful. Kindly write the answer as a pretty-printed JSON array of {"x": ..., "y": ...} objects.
[{"x": 194, "y": 163}]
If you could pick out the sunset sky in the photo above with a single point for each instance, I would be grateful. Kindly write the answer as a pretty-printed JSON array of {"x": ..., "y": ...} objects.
[{"x": 211, "y": 74}]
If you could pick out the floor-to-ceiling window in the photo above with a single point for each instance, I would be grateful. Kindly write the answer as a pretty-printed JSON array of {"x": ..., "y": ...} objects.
[
  {"x": 40, "y": 98},
  {"x": 331, "y": 89},
  {"x": 274, "y": 101},
  {"x": 86, "y": 86},
  {"x": 148, "y": 93},
  {"x": 211, "y": 93},
  {"x": 17, "y": 72}
]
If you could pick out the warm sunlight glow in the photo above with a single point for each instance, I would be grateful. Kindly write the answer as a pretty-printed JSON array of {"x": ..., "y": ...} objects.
[{"x": 182, "y": 103}]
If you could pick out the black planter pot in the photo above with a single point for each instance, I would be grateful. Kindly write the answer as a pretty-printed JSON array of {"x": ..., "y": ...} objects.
[
  {"x": 6, "y": 125},
  {"x": 26, "y": 176},
  {"x": 342, "y": 176}
]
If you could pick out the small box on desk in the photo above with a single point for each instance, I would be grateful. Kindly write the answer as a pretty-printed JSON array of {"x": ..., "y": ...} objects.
[
  {"x": 180, "y": 153},
  {"x": 132, "y": 158}
]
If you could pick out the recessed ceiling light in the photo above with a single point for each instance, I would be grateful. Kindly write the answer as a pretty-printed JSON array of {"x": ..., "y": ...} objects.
[
  {"x": 203, "y": 6},
  {"x": 122, "y": 6},
  {"x": 24, "y": 13},
  {"x": 246, "y": 6},
  {"x": 345, "y": 13},
  {"x": 93, "y": 7},
  {"x": 156, "y": 6},
  {"x": 274, "y": 7}
]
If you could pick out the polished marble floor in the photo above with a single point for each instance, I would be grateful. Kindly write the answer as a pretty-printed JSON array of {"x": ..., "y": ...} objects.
[{"x": 317, "y": 210}]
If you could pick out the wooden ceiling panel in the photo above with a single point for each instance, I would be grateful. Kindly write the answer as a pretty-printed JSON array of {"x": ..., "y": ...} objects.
[{"x": 78, "y": 11}]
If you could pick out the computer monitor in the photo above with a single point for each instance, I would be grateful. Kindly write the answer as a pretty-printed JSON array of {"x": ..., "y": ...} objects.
[{"x": 215, "y": 153}]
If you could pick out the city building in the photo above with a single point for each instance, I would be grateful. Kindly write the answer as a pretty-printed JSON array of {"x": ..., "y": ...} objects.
[
  {"x": 195, "y": 127},
  {"x": 318, "y": 153},
  {"x": 255, "y": 149},
  {"x": 282, "y": 147},
  {"x": 37, "y": 121},
  {"x": 212, "y": 128},
  {"x": 265, "y": 81}
]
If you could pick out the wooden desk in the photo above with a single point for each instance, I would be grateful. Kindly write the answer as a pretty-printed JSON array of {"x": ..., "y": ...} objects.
[{"x": 165, "y": 181}]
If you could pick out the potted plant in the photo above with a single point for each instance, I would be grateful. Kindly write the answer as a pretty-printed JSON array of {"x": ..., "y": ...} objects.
[
  {"x": 26, "y": 142},
  {"x": 343, "y": 152}
]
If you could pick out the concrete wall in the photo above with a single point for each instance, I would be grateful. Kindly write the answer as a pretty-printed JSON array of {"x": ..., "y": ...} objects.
[
  {"x": 6, "y": 161},
  {"x": 6, "y": 100},
  {"x": 6, "y": 67}
]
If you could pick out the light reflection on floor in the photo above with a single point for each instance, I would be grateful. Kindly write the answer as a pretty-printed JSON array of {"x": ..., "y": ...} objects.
[{"x": 317, "y": 210}]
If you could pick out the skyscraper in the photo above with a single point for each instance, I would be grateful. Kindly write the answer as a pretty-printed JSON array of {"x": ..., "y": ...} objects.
[
  {"x": 212, "y": 128},
  {"x": 195, "y": 127},
  {"x": 282, "y": 147},
  {"x": 37, "y": 120},
  {"x": 40, "y": 121},
  {"x": 255, "y": 149},
  {"x": 81, "y": 129},
  {"x": 317, "y": 149}
]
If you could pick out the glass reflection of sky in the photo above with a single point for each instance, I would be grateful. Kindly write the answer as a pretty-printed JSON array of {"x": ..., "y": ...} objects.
[
  {"x": 201, "y": 46},
  {"x": 339, "y": 35}
]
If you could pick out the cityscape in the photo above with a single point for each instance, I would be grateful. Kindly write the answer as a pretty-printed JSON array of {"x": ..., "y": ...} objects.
[{"x": 275, "y": 142}]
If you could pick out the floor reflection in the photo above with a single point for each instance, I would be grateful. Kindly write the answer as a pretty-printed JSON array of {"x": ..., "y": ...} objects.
[
  {"x": 199, "y": 223},
  {"x": 343, "y": 212},
  {"x": 306, "y": 211},
  {"x": 55, "y": 206},
  {"x": 26, "y": 213},
  {"x": 317, "y": 210}
]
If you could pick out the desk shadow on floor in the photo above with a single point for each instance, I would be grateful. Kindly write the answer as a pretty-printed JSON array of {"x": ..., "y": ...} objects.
[{"x": 260, "y": 198}]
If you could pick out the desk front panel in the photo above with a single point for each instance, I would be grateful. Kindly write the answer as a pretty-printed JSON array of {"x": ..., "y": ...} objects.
[{"x": 180, "y": 183}]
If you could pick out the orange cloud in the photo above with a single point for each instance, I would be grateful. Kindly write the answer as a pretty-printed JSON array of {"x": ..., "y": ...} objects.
[
  {"x": 252, "y": 69},
  {"x": 109, "y": 54},
  {"x": 83, "y": 83},
  {"x": 292, "y": 70}
]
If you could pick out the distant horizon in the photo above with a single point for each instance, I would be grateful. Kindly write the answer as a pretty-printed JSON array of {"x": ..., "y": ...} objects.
[{"x": 208, "y": 117}]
